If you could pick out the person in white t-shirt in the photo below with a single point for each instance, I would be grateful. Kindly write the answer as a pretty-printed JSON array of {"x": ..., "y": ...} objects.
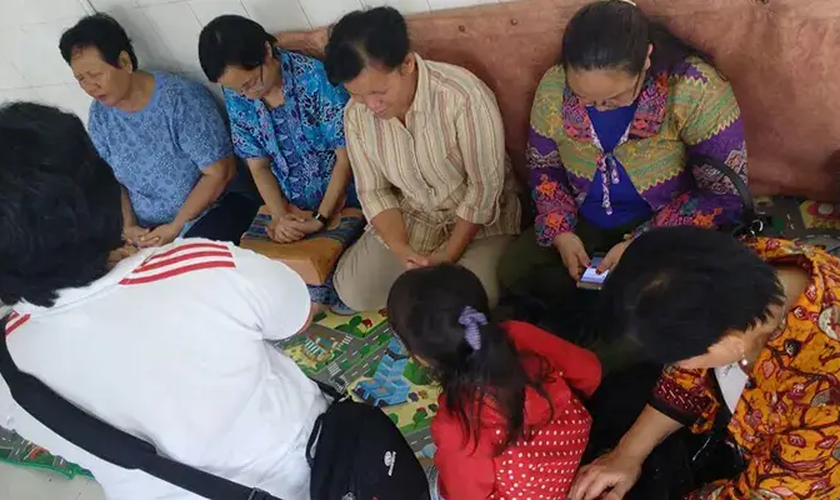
[{"x": 169, "y": 345}]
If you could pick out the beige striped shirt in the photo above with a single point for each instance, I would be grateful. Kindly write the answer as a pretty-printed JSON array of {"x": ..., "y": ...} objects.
[{"x": 447, "y": 161}]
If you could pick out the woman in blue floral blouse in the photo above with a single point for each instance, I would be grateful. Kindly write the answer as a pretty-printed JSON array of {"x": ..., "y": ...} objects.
[{"x": 288, "y": 125}]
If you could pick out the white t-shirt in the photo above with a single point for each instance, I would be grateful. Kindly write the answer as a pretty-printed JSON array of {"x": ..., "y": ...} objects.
[{"x": 170, "y": 347}]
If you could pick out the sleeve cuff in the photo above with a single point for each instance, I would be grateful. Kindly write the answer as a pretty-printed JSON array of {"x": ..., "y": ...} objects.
[
  {"x": 685, "y": 419},
  {"x": 550, "y": 225},
  {"x": 373, "y": 206},
  {"x": 474, "y": 215}
]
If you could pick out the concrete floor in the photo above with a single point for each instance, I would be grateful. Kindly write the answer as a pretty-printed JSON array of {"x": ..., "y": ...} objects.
[{"x": 19, "y": 483}]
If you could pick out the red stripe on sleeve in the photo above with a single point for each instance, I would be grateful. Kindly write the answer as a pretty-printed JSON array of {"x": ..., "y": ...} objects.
[{"x": 218, "y": 264}]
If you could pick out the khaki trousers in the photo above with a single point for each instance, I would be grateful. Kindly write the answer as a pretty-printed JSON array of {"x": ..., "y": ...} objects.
[{"x": 368, "y": 269}]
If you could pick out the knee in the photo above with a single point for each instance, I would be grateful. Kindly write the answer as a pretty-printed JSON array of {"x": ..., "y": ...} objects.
[
  {"x": 493, "y": 292},
  {"x": 508, "y": 267},
  {"x": 352, "y": 290}
]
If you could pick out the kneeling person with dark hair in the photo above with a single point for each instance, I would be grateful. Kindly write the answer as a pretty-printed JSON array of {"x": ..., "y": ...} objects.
[
  {"x": 169, "y": 345},
  {"x": 750, "y": 336},
  {"x": 427, "y": 148}
]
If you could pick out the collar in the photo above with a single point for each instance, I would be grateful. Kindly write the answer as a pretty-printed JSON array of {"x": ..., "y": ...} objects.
[
  {"x": 71, "y": 296},
  {"x": 650, "y": 113},
  {"x": 423, "y": 94}
]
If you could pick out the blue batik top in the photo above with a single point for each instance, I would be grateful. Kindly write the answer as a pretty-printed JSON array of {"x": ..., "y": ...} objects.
[
  {"x": 627, "y": 204},
  {"x": 300, "y": 137},
  {"x": 158, "y": 153}
]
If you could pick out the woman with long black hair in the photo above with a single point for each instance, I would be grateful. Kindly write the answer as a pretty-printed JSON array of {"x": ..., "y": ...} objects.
[
  {"x": 613, "y": 126},
  {"x": 510, "y": 424}
]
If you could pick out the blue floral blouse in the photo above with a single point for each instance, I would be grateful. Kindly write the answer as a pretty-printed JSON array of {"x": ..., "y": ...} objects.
[{"x": 301, "y": 136}]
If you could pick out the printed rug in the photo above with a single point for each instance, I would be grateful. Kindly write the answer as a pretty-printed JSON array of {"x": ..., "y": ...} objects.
[{"x": 360, "y": 354}]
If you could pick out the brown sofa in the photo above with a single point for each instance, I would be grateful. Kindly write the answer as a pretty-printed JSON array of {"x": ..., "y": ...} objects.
[{"x": 782, "y": 57}]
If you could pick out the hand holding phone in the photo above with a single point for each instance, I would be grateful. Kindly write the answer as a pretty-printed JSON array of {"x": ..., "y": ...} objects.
[{"x": 591, "y": 280}]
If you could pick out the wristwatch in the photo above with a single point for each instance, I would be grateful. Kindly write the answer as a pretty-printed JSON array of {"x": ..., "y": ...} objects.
[{"x": 320, "y": 218}]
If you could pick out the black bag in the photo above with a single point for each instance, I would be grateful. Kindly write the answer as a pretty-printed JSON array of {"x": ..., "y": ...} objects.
[
  {"x": 362, "y": 455},
  {"x": 355, "y": 451},
  {"x": 751, "y": 224}
]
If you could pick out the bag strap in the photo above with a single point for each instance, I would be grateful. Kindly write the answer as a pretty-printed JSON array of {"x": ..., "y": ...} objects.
[
  {"x": 750, "y": 221},
  {"x": 107, "y": 442}
]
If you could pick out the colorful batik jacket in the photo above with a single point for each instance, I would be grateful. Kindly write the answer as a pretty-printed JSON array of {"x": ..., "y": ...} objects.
[
  {"x": 787, "y": 422},
  {"x": 690, "y": 110}
]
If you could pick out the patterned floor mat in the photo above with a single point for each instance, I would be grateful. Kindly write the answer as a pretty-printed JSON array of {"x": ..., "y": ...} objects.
[{"x": 361, "y": 355}]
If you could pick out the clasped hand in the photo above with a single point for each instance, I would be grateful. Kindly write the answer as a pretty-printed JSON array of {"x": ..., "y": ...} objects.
[
  {"x": 293, "y": 226},
  {"x": 143, "y": 238},
  {"x": 415, "y": 260}
]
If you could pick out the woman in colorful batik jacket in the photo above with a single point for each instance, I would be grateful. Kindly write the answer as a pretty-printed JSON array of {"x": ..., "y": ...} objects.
[
  {"x": 612, "y": 128},
  {"x": 750, "y": 336}
]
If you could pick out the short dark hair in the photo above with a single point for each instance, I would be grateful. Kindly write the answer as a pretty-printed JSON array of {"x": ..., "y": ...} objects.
[
  {"x": 102, "y": 32},
  {"x": 377, "y": 35},
  {"x": 424, "y": 309},
  {"x": 615, "y": 34},
  {"x": 232, "y": 40},
  {"x": 679, "y": 290},
  {"x": 60, "y": 213}
]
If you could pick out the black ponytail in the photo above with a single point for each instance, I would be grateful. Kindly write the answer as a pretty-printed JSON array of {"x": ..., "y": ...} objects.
[
  {"x": 615, "y": 34},
  {"x": 425, "y": 307}
]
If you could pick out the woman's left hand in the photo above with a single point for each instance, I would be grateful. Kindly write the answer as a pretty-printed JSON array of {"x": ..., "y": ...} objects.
[
  {"x": 161, "y": 235},
  {"x": 304, "y": 222},
  {"x": 310, "y": 226},
  {"x": 613, "y": 256},
  {"x": 119, "y": 254}
]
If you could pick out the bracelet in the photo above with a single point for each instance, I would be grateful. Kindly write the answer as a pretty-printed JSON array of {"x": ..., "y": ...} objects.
[{"x": 320, "y": 218}]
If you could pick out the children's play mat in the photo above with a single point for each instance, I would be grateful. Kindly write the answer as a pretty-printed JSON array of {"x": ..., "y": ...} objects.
[{"x": 358, "y": 354}]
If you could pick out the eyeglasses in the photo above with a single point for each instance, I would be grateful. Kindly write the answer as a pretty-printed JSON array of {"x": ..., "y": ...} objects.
[
  {"x": 254, "y": 83},
  {"x": 625, "y": 98}
]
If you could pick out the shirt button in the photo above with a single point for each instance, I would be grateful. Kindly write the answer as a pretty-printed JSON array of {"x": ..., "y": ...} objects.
[{"x": 792, "y": 347}]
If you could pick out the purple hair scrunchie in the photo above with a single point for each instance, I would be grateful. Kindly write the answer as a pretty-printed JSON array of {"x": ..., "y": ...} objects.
[{"x": 471, "y": 320}]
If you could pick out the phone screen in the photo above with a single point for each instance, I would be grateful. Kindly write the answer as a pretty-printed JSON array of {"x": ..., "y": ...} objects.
[{"x": 591, "y": 276}]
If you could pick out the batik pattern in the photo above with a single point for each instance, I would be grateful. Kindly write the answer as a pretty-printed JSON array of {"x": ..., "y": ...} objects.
[
  {"x": 691, "y": 110},
  {"x": 787, "y": 422}
]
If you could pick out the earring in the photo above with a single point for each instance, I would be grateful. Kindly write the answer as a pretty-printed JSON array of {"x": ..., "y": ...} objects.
[{"x": 743, "y": 361}]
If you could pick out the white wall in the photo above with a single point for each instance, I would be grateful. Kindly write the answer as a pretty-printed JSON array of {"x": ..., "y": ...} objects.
[{"x": 165, "y": 35}]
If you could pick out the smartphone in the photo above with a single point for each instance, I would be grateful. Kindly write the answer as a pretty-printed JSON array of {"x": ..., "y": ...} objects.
[{"x": 591, "y": 280}]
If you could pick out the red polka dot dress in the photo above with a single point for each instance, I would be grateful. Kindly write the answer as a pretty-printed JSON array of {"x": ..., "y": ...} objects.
[{"x": 541, "y": 466}]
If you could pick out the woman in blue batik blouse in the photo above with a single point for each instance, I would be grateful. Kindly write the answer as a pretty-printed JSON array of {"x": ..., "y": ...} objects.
[{"x": 288, "y": 125}]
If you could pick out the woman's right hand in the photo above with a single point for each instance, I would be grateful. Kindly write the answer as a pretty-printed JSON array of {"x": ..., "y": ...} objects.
[
  {"x": 609, "y": 477},
  {"x": 573, "y": 254},
  {"x": 411, "y": 259},
  {"x": 133, "y": 234},
  {"x": 285, "y": 229}
]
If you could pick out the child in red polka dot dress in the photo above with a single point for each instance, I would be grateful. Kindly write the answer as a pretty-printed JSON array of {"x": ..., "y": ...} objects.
[{"x": 511, "y": 424}]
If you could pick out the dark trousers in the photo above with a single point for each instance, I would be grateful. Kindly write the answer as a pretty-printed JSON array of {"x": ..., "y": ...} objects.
[
  {"x": 682, "y": 463},
  {"x": 227, "y": 221},
  {"x": 537, "y": 287}
]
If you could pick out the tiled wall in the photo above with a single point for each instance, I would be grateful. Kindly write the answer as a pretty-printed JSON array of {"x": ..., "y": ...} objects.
[{"x": 165, "y": 34}]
